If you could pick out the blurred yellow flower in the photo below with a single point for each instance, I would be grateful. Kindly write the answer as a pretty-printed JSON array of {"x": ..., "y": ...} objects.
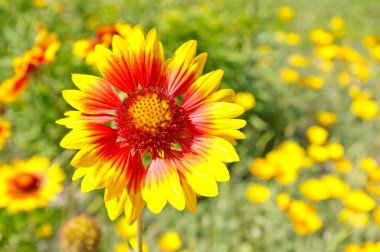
[
  {"x": 125, "y": 230},
  {"x": 343, "y": 165},
  {"x": 335, "y": 150},
  {"x": 375, "y": 52},
  {"x": 45, "y": 231},
  {"x": 374, "y": 175},
  {"x": 359, "y": 201},
  {"x": 245, "y": 99},
  {"x": 283, "y": 201},
  {"x": 292, "y": 38},
  {"x": 325, "y": 118},
  {"x": 369, "y": 41},
  {"x": 327, "y": 52},
  {"x": 170, "y": 241},
  {"x": 285, "y": 13},
  {"x": 337, "y": 25},
  {"x": 367, "y": 164},
  {"x": 298, "y": 60},
  {"x": 261, "y": 168},
  {"x": 5, "y": 132},
  {"x": 351, "y": 55},
  {"x": 26, "y": 185},
  {"x": 304, "y": 217},
  {"x": 122, "y": 247},
  {"x": 336, "y": 187},
  {"x": 373, "y": 188},
  {"x": 317, "y": 135},
  {"x": 40, "y": 3},
  {"x": 133, "y": 242},
  {"x": 376, "y": 216},
  {"x": 312, "y": 81},
  {"x": 257, "y": 193},
  {"x": 321, "y": 37},
  {"x": 354, "y": 218},
  {"x": 314, "y": 189},
  {"x": 361, "y": 71},
  {"x": 318, "y": 153},
  {"x": 344, "y": 79},
  {"x": 364, "y": 108},
  {"x": 352, "y": 248},
  {"x": 289, "y": 75}
]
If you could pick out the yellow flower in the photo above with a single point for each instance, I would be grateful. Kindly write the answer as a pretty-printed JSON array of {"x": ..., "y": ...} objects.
[
  {"x": 361, "y": 71},
  {"x": 283, "y": 201},
  {"x": 304, "y": 217},
  {"x": 125, "y": 230},
  {"x": 245, "y": 99},
  {"x": 317, "y": 135},
  {"x": 261, "y": 168},
  {"x": 170, "y": 241},
  {"x": 374, "y": 175},
  {"x": 344, "y": 79},
  {"x": 336, "y": 187},
  {"x": 298, "y": 60},
  {"x": 318, "y": 153},
  {"x": 325, "y": 118},
  {"x": 292, "y": 38},
  {"x": 337, "y": 25},
  {"x": 314, "y": 189},
  {"x": 314, "y": 82},
  {"x": 45, "y": 231},
  {"x": 376, "y": 216},
  {"x": 367, "y": 164},
  {"x": 343, "y": 165},
  {"x": 26, "y": 185},
  {"x": 352, "y": 248},
  {"x": 364, "y": 108},
  {"x": 369, "y": 41},
  {"x": 285, "y": 13},
  {"x": 373, "y": 188},
  {"x": 335, "y": 150},
  {"x": 327, "y": 52},
  {"x": 84, "y": 49},
  {"x": 351, "y": 55},
  {"x": 5, "y": 132},
  {"x": 289, "y": 75},
  {"x": 354, "y": 218},
  {"x": 375, "y": 52},
  {"x": 257, "y": 193},
  {"x": 321, "y": 37},
  {"x": 358, "y": 200},
  {"x": 122, "y": 247},
  {"x": 134, "y": 243},
  {"x": 40, "y": 3}
]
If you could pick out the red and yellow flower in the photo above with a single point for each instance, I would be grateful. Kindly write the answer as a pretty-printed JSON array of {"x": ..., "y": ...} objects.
[
  {"x": 43, "y": 52},
  {"x": 85, "y": 48},
  {"x": 164, "y": 136},
  {"x": 26, "y": 185}
]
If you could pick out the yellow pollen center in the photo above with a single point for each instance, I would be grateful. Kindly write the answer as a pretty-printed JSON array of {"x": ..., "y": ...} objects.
[{"x": 150, "y": 113}]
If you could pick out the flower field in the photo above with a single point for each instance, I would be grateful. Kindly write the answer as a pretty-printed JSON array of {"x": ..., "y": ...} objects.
[{"x": 197, "y": 125}]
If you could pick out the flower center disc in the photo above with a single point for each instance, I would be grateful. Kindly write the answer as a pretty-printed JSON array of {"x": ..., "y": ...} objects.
[
  {"x": 149, "y": 121},
  {"x": 150, "y": 113},
  {"x": 26, "y": 182}
]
